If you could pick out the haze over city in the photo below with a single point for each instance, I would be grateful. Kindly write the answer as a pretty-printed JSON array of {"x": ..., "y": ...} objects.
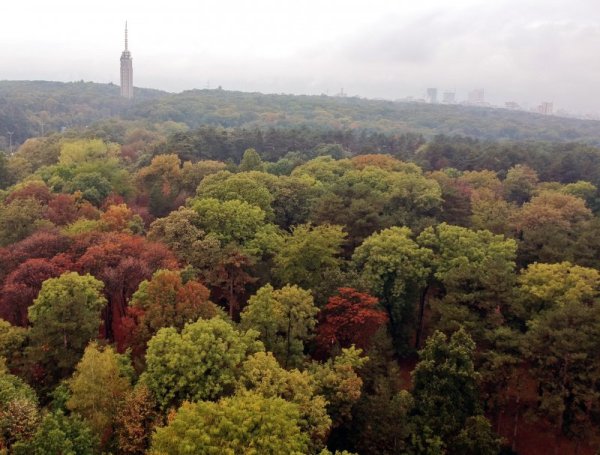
[{"x": 522, "y": 51}]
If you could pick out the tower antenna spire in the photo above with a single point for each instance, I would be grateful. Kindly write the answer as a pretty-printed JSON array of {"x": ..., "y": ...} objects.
[{"x": 126, "y": 43}]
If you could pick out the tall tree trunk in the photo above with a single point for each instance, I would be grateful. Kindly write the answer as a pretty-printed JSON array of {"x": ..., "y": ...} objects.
[
  {"x": 288, "y": 341},
  {"x": 517, "y": 411},
  {"x": 420, "y": 322},
  {"x": 232, "y": 300},
  {"x": 563, "y": 387}
]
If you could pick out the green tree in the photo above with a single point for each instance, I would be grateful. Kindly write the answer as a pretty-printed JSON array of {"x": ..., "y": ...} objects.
[
  {"x": 248, "y": 187},
  {"x": 583, "y": 190},
  {"x": 338, "y": 381},
  {"x": 18, "y": 219},
  {"x": 587, "y": 245},
  {"x": 293, "y": 198},
  {"x": 456, "y": 197},
  {"x": 13, "y": 387},
  {"x": 231, "y": 221},
  {"x": 474, "y": 274},
  {"x": 357, "y": 201},
  {"x": 543, "y": 287},
  {"x": 12, "y": 342},
  {"x": 246, "y": 423},
  {"x": 60, "y": 435},
  {"x": 548, "y": 227},
  {"x": 413, "y": 199},
  {"x": 93, "y": 186},
  {"x": 64, "y": 318},
  {"x": 262, "y": 374},
  {"x": 251, "y": 161},
  {"x": 194, "y": 173},
  {"x": 500, "y": 366},
  {"x": 18, "y": 409},
  {"x": 368, "y": 199},
  {"x": 89, "y": 166},
  {"x": 201, "y": 362},
  {"x": 396, "y": 270},
  {"x": 490, "y": 212},
  {"x": 445, "y": 390},
  {"x": 285, "y": 319},
  {"x": 99, "y": 384},
  {"x": 178, "y": 230},
  {"x": 162, "y": 182},
  {"x": 381, "y": 421},
  {"x": 477, "y": 438},
  {"x": 324, "y": 169},
  {"x": 562, "y": 348},
  {"x": 307, "y": 254},
  {"x": 41, "y": 151},
  {"x": 82, "y": 151},
  {"x": 5, "y": 177},
  {"x": 520, "y": 183},
  {"x": 485, "y": 180}
]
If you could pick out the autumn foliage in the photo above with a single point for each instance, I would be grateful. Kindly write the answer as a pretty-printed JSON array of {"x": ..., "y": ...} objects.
[
  {"x": 165, "y": 301},
  {"x": 22, "y": 286},
  {"x": 122, "y": 262},
  {"x": 295, "y": 294},
  {"x": 350, "y": 318}
]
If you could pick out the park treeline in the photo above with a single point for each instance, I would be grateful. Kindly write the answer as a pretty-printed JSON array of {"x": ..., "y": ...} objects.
[{"x": 34, "y": 108}]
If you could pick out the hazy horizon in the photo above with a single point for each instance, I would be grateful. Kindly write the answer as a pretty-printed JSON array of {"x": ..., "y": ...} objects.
[{"x": 527, "y": 51}]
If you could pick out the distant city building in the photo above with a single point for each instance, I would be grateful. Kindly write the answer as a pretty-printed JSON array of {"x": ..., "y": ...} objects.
[
  {"x": 546, "y": 108},
  {"x": 449, "y": 98},
  {"x": 432, "y": 95},
  {"x": 126, "y": 70},
  {"x": 476, "y": 96},
  {"x": 512, "y": 105},
  {"x": 342, "y": 94}
]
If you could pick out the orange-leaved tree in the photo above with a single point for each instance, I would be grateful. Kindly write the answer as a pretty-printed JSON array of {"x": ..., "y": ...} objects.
[{"x": 349, "y": 318}]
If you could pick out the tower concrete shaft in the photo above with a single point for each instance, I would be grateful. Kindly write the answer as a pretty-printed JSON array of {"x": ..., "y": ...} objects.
[{"x": 126, "y": 70}]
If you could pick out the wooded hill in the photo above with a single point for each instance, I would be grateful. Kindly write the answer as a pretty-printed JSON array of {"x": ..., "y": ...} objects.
[{"x": 29, "y": 107}]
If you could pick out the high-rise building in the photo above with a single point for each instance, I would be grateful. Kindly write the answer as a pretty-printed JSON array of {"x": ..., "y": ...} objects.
[
  {"x": 477, "y": 96},
  {"x": 448, "y": 98},
  {"x": 546, "y": 108},
  {"x": 126, "y": 70},
  {"x": 432, "y": 95}
]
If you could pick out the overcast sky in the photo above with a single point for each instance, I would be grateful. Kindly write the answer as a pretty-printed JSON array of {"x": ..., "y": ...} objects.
[{"x": 526, "y": 51}]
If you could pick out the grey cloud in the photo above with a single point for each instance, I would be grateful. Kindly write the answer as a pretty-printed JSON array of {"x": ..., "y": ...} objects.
[
  {"x": 514, "y": 49},
  {"x": 395, "y": 41},
  {"x": 522, "y": 50}
]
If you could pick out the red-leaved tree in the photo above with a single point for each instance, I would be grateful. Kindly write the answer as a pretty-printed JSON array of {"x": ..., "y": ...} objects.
[
  {"x": 122, "y": 262},
  {"x": 41, "y": 245},
  {"x": 22, "y": 286},
  {"x": 32, "y": 190},
  {"x": 349, "y": 318}
]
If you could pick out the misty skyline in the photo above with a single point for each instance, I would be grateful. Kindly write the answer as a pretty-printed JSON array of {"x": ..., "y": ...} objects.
[{"x": 523, "y": 51}]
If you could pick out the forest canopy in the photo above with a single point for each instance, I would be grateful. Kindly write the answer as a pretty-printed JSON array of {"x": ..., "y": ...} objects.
[{"x": 174, "y": 282}]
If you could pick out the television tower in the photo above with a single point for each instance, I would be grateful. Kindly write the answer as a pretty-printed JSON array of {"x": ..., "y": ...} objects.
[{"x": 126, "y": 70}]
